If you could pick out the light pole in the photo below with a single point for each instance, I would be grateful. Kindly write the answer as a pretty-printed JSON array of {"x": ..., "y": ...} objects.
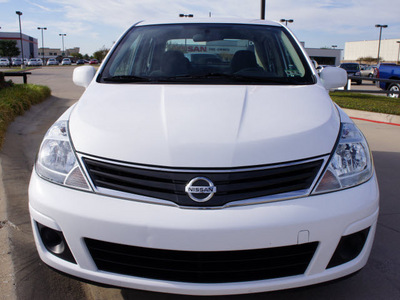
[
  {"x": 262, "y": 9},
  {"x": 42, "y": 28},
  {"x": 286, "y": 21},
  {"x": 398, "y": 54},
  {"x": 20, "y": 36},
  {"x": 380, "y": 36},
  {"x": 62, "y": 37}
]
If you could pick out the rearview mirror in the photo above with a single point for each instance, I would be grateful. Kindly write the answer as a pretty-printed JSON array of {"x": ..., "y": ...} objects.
[
  {"x": 83, "y": 75},
  {"x": 333, "y": 77}
]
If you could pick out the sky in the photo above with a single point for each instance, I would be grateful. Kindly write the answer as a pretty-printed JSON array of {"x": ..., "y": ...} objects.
[{"x": 96, "y": 24}]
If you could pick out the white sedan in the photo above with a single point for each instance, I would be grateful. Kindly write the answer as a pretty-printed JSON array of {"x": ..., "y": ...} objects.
[
  {"x": 52, "y": 62},
  {"x": 66, "y": 61},
  {"x": 35, "y": 62}
]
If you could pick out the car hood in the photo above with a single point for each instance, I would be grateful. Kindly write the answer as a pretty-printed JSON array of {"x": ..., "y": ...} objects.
[{"x": 204, "y": 126}]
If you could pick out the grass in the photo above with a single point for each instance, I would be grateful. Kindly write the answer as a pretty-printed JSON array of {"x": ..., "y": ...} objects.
[
  {"x": 18, "y": 69},
  {"x": 15, "y": 100},
  {"x": 379, "y": 104}
]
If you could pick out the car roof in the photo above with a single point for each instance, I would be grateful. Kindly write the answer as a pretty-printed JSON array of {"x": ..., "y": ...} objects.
[{"x": 209, "y": 20}]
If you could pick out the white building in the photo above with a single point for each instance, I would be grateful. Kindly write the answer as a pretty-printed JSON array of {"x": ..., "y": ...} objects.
[
  {"x": 29, "y": 44},
  {"x": 325, "y": 56},
  {"x": 56, "y": 52},
  {"x": 389, "y": 51}
]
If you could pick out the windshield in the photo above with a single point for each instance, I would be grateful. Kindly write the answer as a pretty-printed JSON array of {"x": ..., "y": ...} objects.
[{"x": 209, "y": 54}]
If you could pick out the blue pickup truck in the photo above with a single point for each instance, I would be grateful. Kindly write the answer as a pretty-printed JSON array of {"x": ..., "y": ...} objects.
[{"x": 389, "y": 71}]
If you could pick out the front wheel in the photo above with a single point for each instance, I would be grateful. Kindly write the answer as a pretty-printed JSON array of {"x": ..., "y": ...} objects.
[{"x": 394, "y": 87}]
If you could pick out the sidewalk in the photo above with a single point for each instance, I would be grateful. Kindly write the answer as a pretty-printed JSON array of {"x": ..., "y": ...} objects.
[{"x": 373, "y": 117}]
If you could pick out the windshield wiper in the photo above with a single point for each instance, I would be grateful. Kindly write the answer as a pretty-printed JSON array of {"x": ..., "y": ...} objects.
[
  {"x": 207, "y": 76},
  {"x": 224, "y": 77},
  {"x": 126, "y": 79},
  {"x": 234, "y": 77}
]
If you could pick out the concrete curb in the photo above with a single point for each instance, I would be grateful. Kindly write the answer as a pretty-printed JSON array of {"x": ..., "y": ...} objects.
[
  {"x": 373, "y": 117},
  {"x": 7, "y": 278}
]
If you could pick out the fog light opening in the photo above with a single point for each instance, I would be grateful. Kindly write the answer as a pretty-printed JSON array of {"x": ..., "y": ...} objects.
[
  {"x": 53, "y": 240},
  {"x": 350, "y": 246},
  {"x": 55, "y": 243}
]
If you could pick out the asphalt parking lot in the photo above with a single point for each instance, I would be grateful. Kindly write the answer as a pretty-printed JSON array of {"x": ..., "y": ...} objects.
[{"x": 24, "y": 276}]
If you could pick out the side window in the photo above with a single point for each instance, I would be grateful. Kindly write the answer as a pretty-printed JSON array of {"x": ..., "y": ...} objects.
[
  {"x": 124, "y": 64},
  {"x": 149, "y": 62},
  {"x": 293, "y": 65}
]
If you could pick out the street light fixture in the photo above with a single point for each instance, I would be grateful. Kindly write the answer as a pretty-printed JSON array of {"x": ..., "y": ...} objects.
[
  {"x": 380, "y": 36},
  {"x": 20, "y": 36},
  {"x": 334, "y": 46},
  {"x": 42, "y": 28},
  {"x": 286, "y": 21},
  {"x": 62, "y": 37}
]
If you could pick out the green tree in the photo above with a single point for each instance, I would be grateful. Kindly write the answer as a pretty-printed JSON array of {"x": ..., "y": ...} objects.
[
  {"x": 100, "y": 54},
  {"x": 8, "y": 48},
  {"x": 368, "y": 60},
  {"x": 77, "y": 55}
]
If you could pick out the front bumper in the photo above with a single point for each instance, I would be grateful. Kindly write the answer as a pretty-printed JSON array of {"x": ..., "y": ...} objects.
[{"x": 322, "y": 218}]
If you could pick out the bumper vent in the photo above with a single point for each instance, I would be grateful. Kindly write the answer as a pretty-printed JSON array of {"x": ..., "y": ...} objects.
[
  {"x": 231, "y": 185},
  {"x": 201, "y": 267}
]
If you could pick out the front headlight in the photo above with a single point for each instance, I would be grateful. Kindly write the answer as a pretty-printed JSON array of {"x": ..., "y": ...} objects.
[
  {"x": 350, "y": 164},
  {"x": 56, "y": 160}
]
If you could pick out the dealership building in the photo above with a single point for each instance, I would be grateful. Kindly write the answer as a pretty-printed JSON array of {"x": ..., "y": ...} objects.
[
  {"x": 56, "y": 52},
  {"x": 29, "y": 44},
  {"x": 325, "y": 56},
  {"x": 389, "y": 50}
]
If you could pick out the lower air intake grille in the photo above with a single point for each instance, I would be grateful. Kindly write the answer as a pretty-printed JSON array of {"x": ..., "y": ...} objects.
[{"x": 202, "y": 267}]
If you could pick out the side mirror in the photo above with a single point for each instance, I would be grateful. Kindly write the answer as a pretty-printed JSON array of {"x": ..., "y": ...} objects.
[
  {"x": 83, "y": 75},
  {"x": 333, "y": 77}
]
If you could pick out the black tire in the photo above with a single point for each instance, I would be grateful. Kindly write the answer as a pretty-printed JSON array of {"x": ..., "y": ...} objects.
[{"x": 394, "y": 87}]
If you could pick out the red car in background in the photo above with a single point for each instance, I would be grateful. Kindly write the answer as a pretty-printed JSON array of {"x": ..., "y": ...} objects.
[{"x": 93, "y": 62}]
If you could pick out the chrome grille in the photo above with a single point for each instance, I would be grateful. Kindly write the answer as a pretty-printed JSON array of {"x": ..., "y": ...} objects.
[{"x": 232, "y": 184}]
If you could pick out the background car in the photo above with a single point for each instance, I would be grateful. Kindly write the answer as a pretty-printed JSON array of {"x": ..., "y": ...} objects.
[
  {"x": 80, "y": 62},
  {"x": 352, "y": 69},
  {"x": 367, "y": 71},
  {"x": 66, "y": 61},
  {"x": 321, "y": 67},
  {"x": 17, "y": 61},
  {"x": 93, "y": 62},
  {"x": 52, "y": 61},
  {"x": 4, "y": 62},
  {"x": 35, "y": 62},
  {"x": 391, "y": 72}
]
